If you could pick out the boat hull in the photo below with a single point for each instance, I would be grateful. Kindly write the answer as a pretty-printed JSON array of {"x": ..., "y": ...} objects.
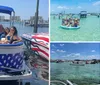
[
  {"x": 77, "y": 64},
  {"x": 11, "y": 57},
  {"x": 69, "y": 28}
]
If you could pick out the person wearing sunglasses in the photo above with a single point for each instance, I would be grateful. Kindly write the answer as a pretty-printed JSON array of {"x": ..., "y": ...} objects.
[{"x": 12, "y": 36}]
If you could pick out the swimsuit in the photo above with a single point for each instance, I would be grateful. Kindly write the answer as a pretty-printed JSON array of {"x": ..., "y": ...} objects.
[{"x": 12, "y": 40}]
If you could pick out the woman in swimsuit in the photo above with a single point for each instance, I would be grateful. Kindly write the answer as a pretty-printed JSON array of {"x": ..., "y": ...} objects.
[
  {"x": 12, "y": 37},
  {"x": 76, "y": 23},
  {"x": 7, "y": 30}
]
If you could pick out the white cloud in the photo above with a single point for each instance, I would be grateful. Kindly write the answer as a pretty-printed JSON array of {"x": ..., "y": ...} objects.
[
  {"x": 96, "y": 3},
  {"x": 62, "y": 7},
  {"x": 58, "y": 50},
  {"x": 53, "y": 46},
  {"x": 52, "y": 51},
  {"x": 61, "y": 51},
  {"x": 71, "y": 8},
  {"x": 74, "y": 55},
  {"x": 93, "y": 57},
  {"x": 65, "y": 7},
  {"x": 79, "y": 7},
  {"x": 93, "y": 51},
  {"x": 61, "y": 44},
  {"x": 77, "y": 54},
  {"x": 63, "y": 56},
  {"x": 52, "y": 10}
]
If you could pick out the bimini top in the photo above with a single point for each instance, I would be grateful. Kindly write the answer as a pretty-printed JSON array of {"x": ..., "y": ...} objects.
[{"x": 6, "y": 10}]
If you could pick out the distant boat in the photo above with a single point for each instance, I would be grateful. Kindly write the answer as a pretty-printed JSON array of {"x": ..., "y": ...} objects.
[
  {"x": 74, "y": 64},
  {"x": 77, "y": 63},
  {"x": 83, "y": 14},
  {"x": 12, "y": 64}
]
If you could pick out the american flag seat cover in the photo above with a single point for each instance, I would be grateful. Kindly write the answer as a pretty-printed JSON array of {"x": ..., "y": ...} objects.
[{"x": 40, "y": 43}]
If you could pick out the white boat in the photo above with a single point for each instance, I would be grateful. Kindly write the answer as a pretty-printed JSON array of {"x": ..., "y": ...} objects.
[
  {"x": 69, "y": 28},
  {"x": 12, "y": 66},
  {"x": 75, "y": 64}
]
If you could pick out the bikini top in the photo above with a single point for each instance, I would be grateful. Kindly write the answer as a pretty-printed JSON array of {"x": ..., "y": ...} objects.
[{"x": 12, "y": 40}]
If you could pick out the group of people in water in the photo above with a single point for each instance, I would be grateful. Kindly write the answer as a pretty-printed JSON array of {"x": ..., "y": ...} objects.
[
  {"x": 9, "y": 35},
  {"x": 70, "y": 22}
]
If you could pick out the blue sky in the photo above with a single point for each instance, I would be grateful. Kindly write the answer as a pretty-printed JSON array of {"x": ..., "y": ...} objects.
[
  {"x": 72, "y": 51},
  {"x": 27, "y": 8},
  {"x": 74, "y": 6}
]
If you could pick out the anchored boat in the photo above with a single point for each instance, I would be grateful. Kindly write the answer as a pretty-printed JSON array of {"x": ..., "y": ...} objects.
[
  {"x": 69, "y": 28},
  {"x": 77, "y": 63},
  {"x": 12, "y": 65}
]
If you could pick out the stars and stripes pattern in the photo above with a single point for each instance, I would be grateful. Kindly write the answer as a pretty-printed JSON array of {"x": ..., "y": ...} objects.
[
  {"x": 40, "y": 43},
  {"x": 13, "y": 61}
]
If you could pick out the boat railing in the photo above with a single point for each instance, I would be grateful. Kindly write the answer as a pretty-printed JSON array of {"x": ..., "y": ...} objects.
[{"x": 29, "y": 51}]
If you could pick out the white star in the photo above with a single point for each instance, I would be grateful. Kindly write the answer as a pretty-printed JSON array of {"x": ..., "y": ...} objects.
[{"x": 2, "y": 57}]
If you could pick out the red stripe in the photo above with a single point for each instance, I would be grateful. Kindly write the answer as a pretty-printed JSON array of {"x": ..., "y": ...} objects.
[
  {"x": 42, "y": 38},
  {"x": 37, "y": 49},
  {"x": 38, "y": 44}
]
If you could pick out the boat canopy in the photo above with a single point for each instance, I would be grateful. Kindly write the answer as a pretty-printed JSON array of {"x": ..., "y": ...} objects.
[{"x": 7, "y": 10}]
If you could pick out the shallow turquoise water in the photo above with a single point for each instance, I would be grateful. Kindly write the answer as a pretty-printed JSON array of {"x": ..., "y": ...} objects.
[
  {"x": 89, "y": 30},
  {"x": 81, "y": 75}
]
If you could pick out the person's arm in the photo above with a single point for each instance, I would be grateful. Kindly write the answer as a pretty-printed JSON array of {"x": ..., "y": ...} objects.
[{"x": 19, "y": 39}]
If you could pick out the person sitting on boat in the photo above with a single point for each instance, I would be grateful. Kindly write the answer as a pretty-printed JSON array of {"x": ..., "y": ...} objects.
[
  {"x": 12, "y": 37},
  {"x": 77, "y": 62},
  {"x": 87, "y": 62},
  {"x": 71, "y": 22},
  {"x": 7, "y": 30},
  {"x": 63, "y": 21},
  {"x": 2, "y": 32},
  {"x": 3, "y": 40},
  {"x": 76, "y": 23},
  {"x": 67, "y": 22}
]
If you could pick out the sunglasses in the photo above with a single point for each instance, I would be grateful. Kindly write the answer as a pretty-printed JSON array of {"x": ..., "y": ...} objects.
[{"x": 12, "y": 29}]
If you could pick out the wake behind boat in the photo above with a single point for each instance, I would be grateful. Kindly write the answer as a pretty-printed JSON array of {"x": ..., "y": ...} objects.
[{"x": 77, "y": 63}]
